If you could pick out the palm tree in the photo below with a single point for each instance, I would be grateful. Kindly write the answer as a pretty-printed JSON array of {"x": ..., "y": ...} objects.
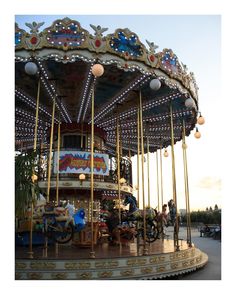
[{"x": 26, "y": 189}]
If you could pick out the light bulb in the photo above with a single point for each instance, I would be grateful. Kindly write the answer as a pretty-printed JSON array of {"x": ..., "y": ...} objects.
[
  {"x": 166, "y": 153},
  {"x": 155, "y": 84},
  {"x": 184, "y": 146},
  {"x": 34, "y": 178},
  {"x": 197, "y": 134},
  {"x": 201, "y": 120},
  {"x": 31, "y": 68},
  {"x": 189, "y": 103},
  {"x": 97, "y": 70}
]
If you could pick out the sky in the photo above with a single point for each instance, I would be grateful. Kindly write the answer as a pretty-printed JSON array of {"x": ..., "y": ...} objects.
[
  {"x": 208, "y": 54},
  {"x": 196, "y": 40}
]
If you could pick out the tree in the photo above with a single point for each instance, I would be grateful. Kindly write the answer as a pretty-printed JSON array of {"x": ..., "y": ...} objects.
[
  {"x": 216, "y": 208},
  {"x": 26, "y": 190}
]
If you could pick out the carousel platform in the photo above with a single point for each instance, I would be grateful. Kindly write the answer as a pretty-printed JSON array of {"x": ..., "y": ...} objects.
[{"x": 111, "y": 262}]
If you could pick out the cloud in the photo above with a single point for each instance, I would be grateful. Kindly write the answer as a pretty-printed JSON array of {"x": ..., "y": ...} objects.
[{"x": 209, "y": 182}]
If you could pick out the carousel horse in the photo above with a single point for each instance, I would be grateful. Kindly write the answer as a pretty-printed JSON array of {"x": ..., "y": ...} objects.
[
  {"x": 153, "y": 218},
  {"x": 123, "y": 231}
]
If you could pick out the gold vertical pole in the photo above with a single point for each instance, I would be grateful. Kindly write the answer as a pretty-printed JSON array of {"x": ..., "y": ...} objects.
[
  {"x": 129, "y": 148},
  {"x": 82, "y": 136},
  {"x": 58, "y": 160},
  {"x": 176, "y": 237},
  {"x": 162, "y": 201},
  {"x": 158, "y": 192},
  {"x": 92, "y": 253},
  {"x": 148, "y": 171},
  {"x": 118, "y": 162},
  {"x": 145, "y": 251},
  {"x": 186, "y": 187},
  {"x": 35, "y": 146},
  {"x": 50, "y": 149},
  {"x": 121, "y": 150},
  {"x": 36, "y": 116},
  {"x": 138, "y": 143}
]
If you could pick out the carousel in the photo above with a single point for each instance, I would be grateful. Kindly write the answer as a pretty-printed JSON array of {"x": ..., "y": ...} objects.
[{"x": 86, "y": 105}]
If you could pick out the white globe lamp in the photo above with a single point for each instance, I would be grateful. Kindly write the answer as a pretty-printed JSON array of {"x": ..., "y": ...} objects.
[
  {"x": 31, "y": 68},
  {"x": 155, "y": 84},
  {"x": 189, "y": 103}
]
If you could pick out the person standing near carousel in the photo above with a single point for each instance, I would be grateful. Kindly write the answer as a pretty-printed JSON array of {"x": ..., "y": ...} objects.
[{"x": 164, "y": 214}]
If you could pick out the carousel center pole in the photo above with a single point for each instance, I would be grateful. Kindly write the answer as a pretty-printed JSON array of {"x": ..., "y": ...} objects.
[
  {"x": 176, "y": 226},
  {"x": 184, "y": 147},
  {"x": 50, "y": 150},
  {"x": 31, "y": 253},
  {"x": 145, "y": 250}
]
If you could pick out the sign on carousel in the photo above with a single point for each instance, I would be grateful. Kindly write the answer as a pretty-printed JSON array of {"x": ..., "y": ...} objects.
[{"x": 79, "y": 162}]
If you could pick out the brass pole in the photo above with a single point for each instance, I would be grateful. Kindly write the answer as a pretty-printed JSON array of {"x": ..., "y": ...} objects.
[
  {"x": 82, "y": 136},
  {"x": 162, "y": 201},
  {"x": 138, "y": 143},
  {"x": 129, "y": 146},
  {"x": 121, "y": 149},
  {"x": 176, "y": 236},
  {"x": 57, "y": 179},
  {"x": 118, "y": 162},
  {"x": 92, "y": 253},
  {"x": 148, "y": 171},
  {"x": 158, "y": 192},
  {"x": 36, "y": 116},
  {"x": 58, "y": 160},
  {"x": 186, "y": 187},
  {"x": 145, "y": 251},
  {"x": 50, "y": 149},
  {"x": 35, "y": 146}
]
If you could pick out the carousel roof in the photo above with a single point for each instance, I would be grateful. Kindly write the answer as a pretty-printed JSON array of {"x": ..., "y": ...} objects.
[{"x": 65, "y": 54}]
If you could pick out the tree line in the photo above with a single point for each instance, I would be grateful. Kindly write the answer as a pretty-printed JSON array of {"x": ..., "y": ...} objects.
[{"x": 208, "y": 216}]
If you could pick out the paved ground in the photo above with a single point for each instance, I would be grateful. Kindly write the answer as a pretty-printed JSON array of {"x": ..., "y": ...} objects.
[{"x": 212, "y": 271}]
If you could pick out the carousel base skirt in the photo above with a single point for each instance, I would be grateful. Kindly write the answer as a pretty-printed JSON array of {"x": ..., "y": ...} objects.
[{"x": 111, "y": 262}]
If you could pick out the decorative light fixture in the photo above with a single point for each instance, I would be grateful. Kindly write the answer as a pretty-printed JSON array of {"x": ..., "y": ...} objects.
[
  {"x": 31, "y": 68},
  {"x": 81, "y": 178},
  {"x": 197, "y": 134},
  {"x": 166, "y": 154},
  {"x": 189, "y": 103},
  {"x": 201, "y": 120},
  {"x": 122, "y": 180},
  {"x": 184, "y": 146},
  {"x": 34, "y": 177},
  {"x": 155, "y": 84},
  {"x": 97, "y": 70}
]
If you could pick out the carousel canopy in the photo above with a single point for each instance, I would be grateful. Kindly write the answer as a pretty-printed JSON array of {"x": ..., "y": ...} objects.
[{"x": 65, "y": 53}]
